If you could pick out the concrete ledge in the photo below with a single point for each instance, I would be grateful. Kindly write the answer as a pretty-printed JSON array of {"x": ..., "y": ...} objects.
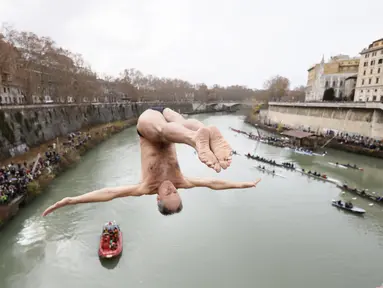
[
  {"x": 356, "y": 105},
  {"x": 103, "y": 104}
]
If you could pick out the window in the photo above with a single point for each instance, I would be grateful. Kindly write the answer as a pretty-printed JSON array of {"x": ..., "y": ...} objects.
[
  {"x": 372, "y": 62},
  {"x": 368, "y": 90},
  {"x": 341, "y": 83},
  {"x": 377, "y": 80},
  {"x": 361, "y": 91},
  {"x": 333, "y": 84},
  {"x": 363, "y": 82},
  {"x": 380, "y": 61},
  {"x": 367, "y": 55},
  {"x": 364, "y": 73},
  {"x": 378, "y": 70},
  {"x": 326, "y": 84},
  {"x": 369, "y": 81},
  {"x": 5, "y": 90},
  {"x": 376, "y": 90},
  {"x": 374, "y": 54},
  {"x": 373, "y": 98},
  {"x": 371, "y": 71},
  {"x": 365, "y": 64}
]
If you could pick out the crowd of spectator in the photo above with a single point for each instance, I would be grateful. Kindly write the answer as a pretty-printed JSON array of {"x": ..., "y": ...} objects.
[
  {"x": 342, "y": 138},
  {"x": 357, "y": 140},
  {"x": 14, "y": 178}
]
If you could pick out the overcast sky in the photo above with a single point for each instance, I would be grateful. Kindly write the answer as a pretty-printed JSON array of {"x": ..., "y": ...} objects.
[{"x": 213, "y": 41}]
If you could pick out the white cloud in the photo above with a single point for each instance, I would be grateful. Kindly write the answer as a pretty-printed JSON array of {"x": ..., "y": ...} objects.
[{"x": 225, "y": 42}]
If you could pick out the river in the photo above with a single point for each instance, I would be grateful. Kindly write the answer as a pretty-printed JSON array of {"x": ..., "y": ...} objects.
[{"x": 283, "y": 233}]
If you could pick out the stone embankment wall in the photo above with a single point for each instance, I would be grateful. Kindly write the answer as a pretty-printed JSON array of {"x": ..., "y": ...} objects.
[
  {"x": 27, "y": 126},
  {"x": 366, "y": 122}
]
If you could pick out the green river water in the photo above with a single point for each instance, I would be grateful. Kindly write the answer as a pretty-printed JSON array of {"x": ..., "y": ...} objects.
[{"x": 283, "y": 233}]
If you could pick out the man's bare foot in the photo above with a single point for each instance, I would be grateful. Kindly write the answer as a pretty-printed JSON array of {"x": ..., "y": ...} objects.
[
  {"x": 206, "y": 156},
  {"x": 220, "y": 147}
]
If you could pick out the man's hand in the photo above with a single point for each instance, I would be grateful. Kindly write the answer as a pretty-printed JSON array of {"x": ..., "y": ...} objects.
[
  {"x": 249, "y": 184},
  {"x": 64, "y": 202}
]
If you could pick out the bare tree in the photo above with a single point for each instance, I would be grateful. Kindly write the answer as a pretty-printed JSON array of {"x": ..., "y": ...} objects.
[
  {"x": 44, "y": 69},
  {"x": 277, "y": 86}
]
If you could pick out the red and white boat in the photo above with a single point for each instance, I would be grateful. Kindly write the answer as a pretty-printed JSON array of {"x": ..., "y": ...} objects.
[{"x": 110, "y": 249}]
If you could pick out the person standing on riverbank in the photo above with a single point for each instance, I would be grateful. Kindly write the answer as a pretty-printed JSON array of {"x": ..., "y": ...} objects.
[{"x": 159, "y": 129}]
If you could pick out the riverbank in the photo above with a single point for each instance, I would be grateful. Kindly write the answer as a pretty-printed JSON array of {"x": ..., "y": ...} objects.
[
  {"x": 68, "y": 155},
  {"x": 334, "y": 144}
]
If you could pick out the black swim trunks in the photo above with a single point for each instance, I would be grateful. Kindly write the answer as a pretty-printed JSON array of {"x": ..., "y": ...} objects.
[{"x": 156, "y": 108}]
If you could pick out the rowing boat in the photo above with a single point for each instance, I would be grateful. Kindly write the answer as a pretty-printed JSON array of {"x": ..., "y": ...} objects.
[
  {"x": 269, "y": 171},
  {"x": 314, "y": 176},
  {"x": 352, "y": 167},
  {"x": 342, "y": 205},
  {"x": 303, "y": 152},
  {"x": 322, "y": 154},
  {"x": 269, "y": 163},
  {"x": 338, "y": 165},
  {"x": 362, "y": 193},
  {"x": 309, "y": 153}
]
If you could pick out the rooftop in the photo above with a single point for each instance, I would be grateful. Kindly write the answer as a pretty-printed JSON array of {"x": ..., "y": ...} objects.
[{"x": 374, "y": 46}]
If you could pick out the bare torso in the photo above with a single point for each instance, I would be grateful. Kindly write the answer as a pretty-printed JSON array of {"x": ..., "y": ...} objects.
[{"x": 159, "y": 163}]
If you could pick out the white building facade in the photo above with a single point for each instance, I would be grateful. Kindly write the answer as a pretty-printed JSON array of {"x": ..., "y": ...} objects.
[
  {"x": 369, "y": 85},
  {"x": 340, "y": 81}
]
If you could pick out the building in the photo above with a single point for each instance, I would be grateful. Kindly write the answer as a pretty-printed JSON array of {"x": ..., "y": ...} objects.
[
  {"x": 369, "y": 85},
  {"x": 302, "y": 139},
  {"x": 10, "y": 92},
  {"x": 336, "y": 78}
]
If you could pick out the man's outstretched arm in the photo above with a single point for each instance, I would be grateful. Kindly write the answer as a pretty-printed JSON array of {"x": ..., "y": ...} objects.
[
  {"x": 217, "y": 184},
  {"x": 102, "y": 195}
]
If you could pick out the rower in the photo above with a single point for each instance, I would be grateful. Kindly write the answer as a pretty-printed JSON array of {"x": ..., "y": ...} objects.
[{"x": 348, "y": 205}]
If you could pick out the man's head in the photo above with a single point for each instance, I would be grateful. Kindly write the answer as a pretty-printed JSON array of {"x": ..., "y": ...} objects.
[{"x": 168, "y": 199}]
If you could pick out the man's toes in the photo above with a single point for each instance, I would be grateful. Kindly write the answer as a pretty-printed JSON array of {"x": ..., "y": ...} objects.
[{"x": 223, "y": 164}]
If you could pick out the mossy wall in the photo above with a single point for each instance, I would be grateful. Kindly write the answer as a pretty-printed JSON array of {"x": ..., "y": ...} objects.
[{"x": 28, "y": 126}]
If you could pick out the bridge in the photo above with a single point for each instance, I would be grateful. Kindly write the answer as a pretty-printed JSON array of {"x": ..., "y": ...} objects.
[{"x": 219, "y": 106}]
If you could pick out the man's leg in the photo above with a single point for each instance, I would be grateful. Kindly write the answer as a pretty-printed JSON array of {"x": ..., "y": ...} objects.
[
  {"x": 153, "y": 127},
  {"x": 172, "y": 116},
  {"x": 218, "y": 144}
]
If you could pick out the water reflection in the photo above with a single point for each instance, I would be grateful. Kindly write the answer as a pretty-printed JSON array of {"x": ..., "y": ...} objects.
[{"x": 110, "y": 263}]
